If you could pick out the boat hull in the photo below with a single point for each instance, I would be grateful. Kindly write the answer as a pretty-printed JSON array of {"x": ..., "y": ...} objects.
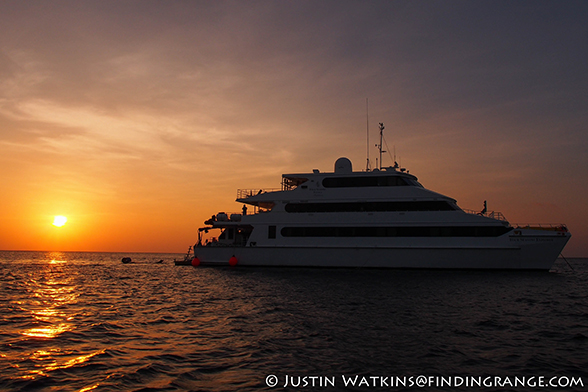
[{"x": 529, "y": 251}]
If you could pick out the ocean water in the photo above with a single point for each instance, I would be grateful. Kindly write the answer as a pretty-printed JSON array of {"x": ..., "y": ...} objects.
[{"x": 85, "y": 321}]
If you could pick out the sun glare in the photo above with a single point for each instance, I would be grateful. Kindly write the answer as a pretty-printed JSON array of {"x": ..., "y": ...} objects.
[{"x": 59, "y": 220}]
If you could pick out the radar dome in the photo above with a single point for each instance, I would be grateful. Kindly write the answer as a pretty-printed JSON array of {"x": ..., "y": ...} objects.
[{"x": 343, "y": 165}]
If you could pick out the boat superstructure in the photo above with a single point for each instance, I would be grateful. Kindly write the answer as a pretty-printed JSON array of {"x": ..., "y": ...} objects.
[{"x": 382, "y": 218}]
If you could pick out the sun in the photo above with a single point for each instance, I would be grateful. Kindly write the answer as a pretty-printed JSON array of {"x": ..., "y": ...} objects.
[{"x": 59, "y": 220}]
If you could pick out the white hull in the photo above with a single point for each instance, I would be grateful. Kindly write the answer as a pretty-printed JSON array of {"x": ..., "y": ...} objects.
[{"x": 528, "y": 252}]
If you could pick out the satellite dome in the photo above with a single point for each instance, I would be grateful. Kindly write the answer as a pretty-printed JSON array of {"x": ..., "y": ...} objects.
[{"x": 343, "y": 165}]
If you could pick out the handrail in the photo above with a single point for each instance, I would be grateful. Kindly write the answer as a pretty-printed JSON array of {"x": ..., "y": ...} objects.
[
  {"x": 542, "y": 226},
  {"x": 492, "y": 214},
  {"x": 245, "y": 193}
]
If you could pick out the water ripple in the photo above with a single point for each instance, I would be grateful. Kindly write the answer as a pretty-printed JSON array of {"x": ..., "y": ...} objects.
[{"x": 87, "y": 322}]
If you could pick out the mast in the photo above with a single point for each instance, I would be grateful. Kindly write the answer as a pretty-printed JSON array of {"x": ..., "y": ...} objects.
[
  {"x": 380, "y": 145},
  {"x": 367, "y": 131}
]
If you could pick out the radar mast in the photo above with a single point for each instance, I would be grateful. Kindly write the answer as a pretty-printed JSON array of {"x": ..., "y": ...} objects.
[{"x": 380, "y": 144}]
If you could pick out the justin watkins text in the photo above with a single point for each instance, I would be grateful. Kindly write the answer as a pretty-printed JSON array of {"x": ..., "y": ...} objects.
[{"x": 348, "y": 381}]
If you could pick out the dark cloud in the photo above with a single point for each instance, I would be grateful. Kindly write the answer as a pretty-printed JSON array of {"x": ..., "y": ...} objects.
[{"x": 491, "y": 86}]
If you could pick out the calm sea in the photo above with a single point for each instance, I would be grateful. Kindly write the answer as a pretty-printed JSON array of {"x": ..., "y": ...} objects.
[{"x": 85, "y": 321}]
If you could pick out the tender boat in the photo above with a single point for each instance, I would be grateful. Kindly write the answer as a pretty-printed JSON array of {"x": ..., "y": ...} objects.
[
  {"x": 380, "y": 218},
  {"x": 187, "y": 260}
]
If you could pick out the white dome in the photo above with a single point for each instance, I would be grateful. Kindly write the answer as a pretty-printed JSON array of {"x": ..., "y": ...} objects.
[{"x": 343, "y": 165}]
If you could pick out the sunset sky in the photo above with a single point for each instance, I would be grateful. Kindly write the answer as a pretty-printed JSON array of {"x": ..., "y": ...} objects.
[{"x": 138, "y": 120}]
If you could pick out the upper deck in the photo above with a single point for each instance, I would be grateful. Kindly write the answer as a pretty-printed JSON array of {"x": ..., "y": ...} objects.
[{"x": 342, "y": 177}]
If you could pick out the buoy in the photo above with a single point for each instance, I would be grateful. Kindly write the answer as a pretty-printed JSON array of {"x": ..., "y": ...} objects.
[
  {"x": 195, "y": 262},
  {"x": 233, "y": 261}
]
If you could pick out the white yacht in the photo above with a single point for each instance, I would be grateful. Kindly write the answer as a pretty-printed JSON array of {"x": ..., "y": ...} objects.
[{"x": 380, "y": 218}]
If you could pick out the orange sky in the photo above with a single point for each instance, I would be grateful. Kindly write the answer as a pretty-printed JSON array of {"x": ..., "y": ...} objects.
[{"x": 139, "y": 119}]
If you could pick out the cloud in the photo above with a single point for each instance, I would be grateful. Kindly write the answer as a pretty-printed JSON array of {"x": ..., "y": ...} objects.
[{"x": 149, "y": 95}]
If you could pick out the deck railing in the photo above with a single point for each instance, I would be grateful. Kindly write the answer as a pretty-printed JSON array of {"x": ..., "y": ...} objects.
[
  {"x": 492, "y": 214},
  {"x": 542, "y": 226},
  {"x": 537, "y": 226},
  {"x": 245, "y": 193}
]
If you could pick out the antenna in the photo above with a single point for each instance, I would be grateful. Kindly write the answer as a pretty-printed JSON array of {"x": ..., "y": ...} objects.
[
  {"x": 395, "y": 161},
  {"x": 367, "y": 131},
  {"x": 380, "y": 145}
]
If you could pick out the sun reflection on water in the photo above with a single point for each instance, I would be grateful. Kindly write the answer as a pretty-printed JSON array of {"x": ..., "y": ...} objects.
[
  {"x": 55, "y": 359},
  {"x": 52, "y": 295},
  {"x": 56, "y": 257},
  {"x": 47, "y": 332}
]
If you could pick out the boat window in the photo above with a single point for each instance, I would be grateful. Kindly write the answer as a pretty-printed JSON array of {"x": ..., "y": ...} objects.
[
  {"x": 414, "y": 182},
  {"x": 427, "y": 231},
  {"x": 289, "y": 183},
  {"x": 271, "y": 232},
  {"x": 364, "y": 181},
  {"x": 428, "y": 205},
  {"x": 227, "y": 234}
]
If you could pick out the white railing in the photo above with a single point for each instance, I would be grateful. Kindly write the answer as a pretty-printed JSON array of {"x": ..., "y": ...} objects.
[
  {"x": 492, "y": 214},
  {"x": 537, "y": 226},
  {"x": 245, "y": 193},
  {"x": 542, "y": 226}
]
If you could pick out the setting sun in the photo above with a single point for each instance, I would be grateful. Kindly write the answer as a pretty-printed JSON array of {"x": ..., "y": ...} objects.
[{"x": 59, "y": 220}]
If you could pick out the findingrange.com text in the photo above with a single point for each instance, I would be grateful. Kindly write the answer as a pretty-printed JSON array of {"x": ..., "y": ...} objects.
[{"x": 391, "y": 382}]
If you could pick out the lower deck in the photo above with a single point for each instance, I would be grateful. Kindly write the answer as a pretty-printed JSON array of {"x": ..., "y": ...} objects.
[{"x": 525, "y": 249}]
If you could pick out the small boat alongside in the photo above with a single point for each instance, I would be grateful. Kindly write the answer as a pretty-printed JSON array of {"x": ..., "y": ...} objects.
[{"x": 187, "y": 260}]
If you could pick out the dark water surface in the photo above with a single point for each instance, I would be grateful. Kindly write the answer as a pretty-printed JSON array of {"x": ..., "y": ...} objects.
[{"x": 85, "y": 321}]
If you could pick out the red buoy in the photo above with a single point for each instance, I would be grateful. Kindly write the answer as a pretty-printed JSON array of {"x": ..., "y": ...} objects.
[
  {"x": 233, "y": 261},
  {"x": 195, "y": 262}
]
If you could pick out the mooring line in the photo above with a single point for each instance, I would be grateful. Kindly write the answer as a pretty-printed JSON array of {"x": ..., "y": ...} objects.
[{"x": 566, "y": 260}]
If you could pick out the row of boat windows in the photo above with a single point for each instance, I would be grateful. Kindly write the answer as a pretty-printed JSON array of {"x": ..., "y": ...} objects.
[
  {"x": 428, "y": 231},
  {"x": 379, "y": 206},
  {"x": 368, "y": 181}
]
